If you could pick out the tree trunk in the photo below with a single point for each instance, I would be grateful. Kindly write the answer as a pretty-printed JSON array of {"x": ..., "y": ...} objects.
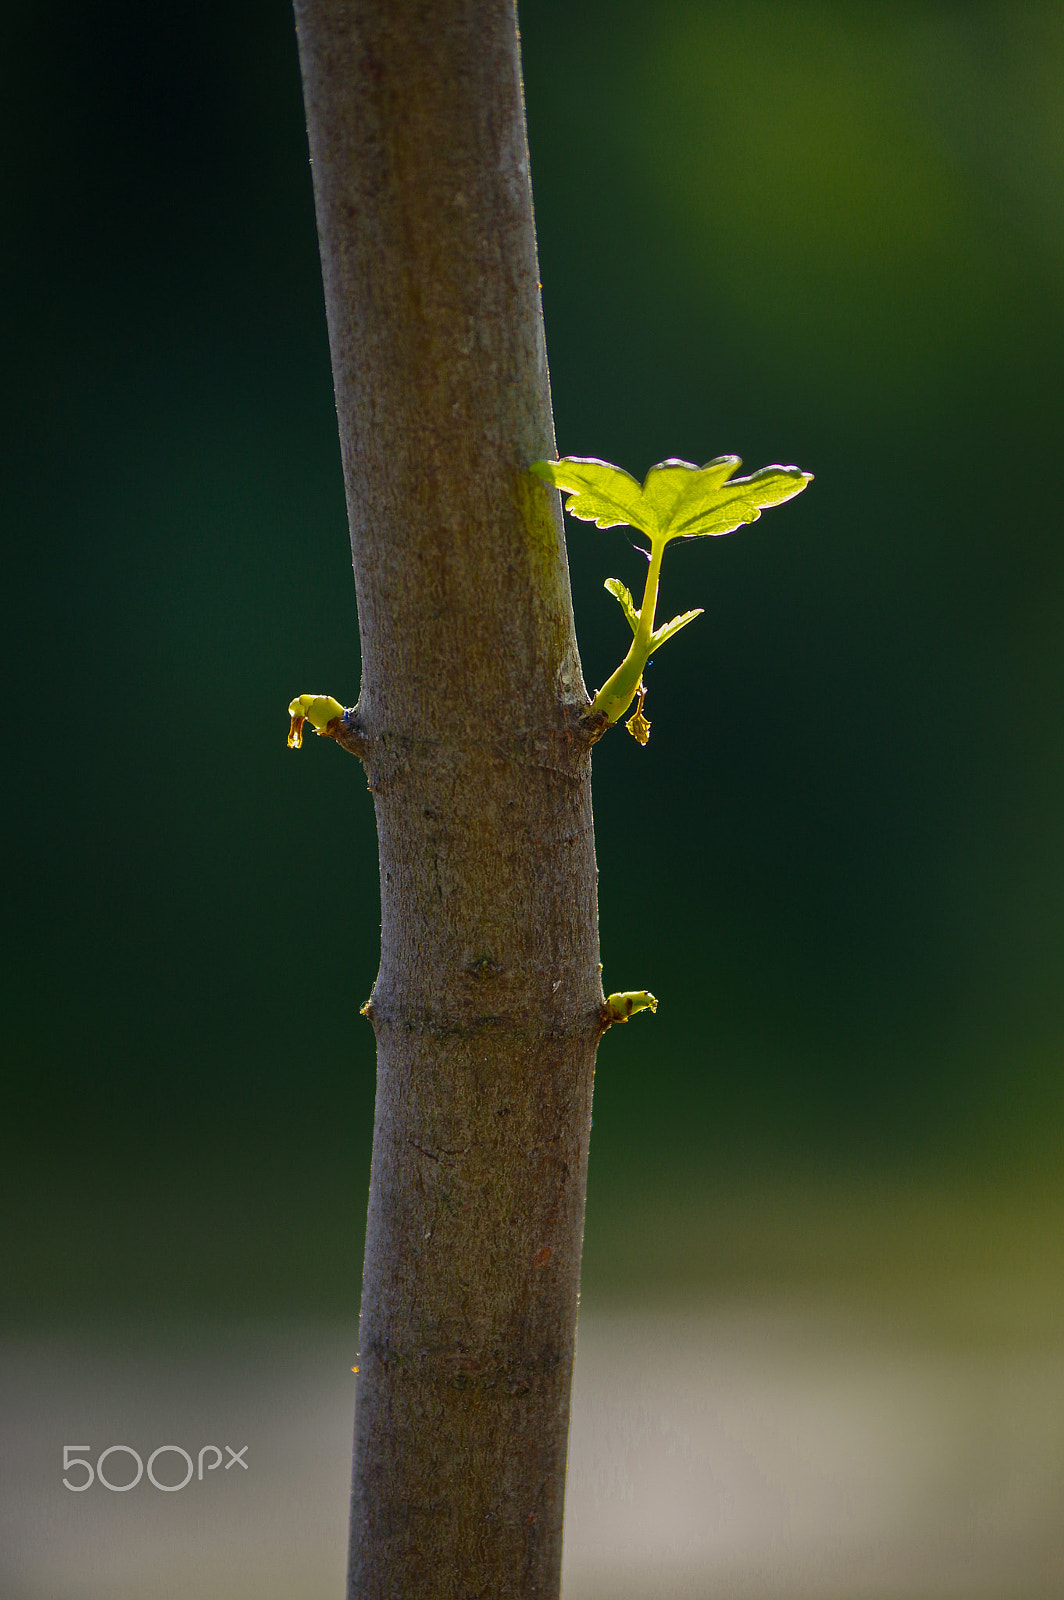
[{"x": 486, "y": 1006}]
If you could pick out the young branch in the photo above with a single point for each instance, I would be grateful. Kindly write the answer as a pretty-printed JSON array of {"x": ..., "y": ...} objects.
[{"x": 487, "y": 1005}]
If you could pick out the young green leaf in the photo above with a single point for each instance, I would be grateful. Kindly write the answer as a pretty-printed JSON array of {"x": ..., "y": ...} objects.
[
  {"x": 677, "y": 500},
  {"x": 695, "y": 501},
  {"x": 623, "y": 596},
  {"x": 605, "y": 495},
  {"x": 667, "y": 629}
]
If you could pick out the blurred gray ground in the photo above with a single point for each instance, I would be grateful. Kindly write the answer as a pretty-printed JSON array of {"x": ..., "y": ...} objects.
[{"x": 769, "y": 1444}]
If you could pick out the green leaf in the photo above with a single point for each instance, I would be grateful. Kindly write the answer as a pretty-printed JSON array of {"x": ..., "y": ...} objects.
[
  {"x": 677, "y": 500},
  {"x": 624, "y": 599},
  {"x": 678, "y": 491},
  {"x": 667, "y": 629},
  {"x": 691, "y": 502},
  {"x": 605, "y": 495}
]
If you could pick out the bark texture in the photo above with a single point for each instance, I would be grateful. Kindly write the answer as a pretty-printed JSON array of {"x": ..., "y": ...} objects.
[{"x": 486, "y": 1006}]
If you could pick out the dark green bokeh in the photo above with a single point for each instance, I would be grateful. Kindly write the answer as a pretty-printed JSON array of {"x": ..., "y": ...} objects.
[{"x": 828, "y": 234}]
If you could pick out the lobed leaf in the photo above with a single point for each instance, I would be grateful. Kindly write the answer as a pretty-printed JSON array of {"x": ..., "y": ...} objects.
[
  {"x": 599, "y": 493},
  {"x": 623, "y": 596},
  {"x": 667, "y": 629},
  {"x": 678, "y": 491},
  {"x": 677, "y": 499}
]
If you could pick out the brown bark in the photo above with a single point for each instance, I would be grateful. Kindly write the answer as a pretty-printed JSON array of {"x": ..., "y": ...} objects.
[{"x": 486, "y": 1006}]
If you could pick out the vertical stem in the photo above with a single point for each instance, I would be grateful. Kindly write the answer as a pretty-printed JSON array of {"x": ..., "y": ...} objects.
[
  {"x": 486, "y": 1006},
  {"x": 650, "y": 595},
  {"x": 621, "y": 688}
]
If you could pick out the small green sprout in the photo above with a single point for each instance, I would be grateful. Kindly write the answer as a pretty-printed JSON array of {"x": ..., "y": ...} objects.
[
  {"x": 676, "y": 501},
  {"x": 619, "y": 1007},
  {"x": 320, "y": 710}
]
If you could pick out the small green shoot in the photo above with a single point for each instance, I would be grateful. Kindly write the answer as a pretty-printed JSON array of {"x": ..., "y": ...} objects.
[
  {"x": 320, "y": 710},
  {"x": 619, "y": 1007},
  {"x": 677, "y": 500}
]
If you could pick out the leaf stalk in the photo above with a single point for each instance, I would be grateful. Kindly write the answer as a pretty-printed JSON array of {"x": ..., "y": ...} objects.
[{"x": 621, "y": 688}]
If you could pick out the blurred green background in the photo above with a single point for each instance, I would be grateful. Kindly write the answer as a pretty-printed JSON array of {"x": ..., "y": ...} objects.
[{"x": 831, "y": 234}]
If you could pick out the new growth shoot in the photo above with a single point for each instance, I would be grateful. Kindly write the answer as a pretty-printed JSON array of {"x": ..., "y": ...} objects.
[
  {"x": 676, "y": 501},
  {"x": 320, "y": 710}
]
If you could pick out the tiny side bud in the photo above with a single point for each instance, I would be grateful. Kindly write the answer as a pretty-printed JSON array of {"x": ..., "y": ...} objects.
[{"x": 619, "y": 1007}]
